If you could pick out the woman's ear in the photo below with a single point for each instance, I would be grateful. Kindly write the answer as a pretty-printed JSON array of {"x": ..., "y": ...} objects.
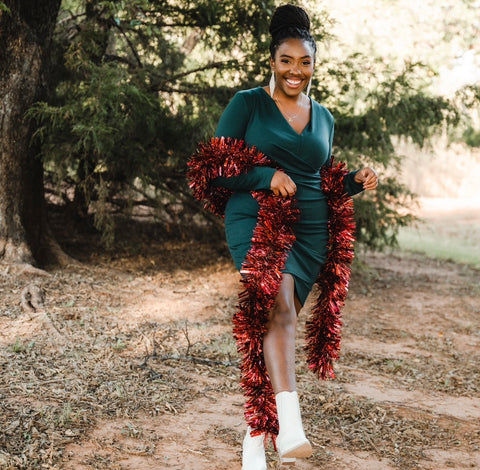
[{"x": 272, "y": 64}]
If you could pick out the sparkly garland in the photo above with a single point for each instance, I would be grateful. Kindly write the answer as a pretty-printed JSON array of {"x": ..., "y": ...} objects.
[
  {"x": 324, "y": 327},
  {"x": 262, "y": 268}
]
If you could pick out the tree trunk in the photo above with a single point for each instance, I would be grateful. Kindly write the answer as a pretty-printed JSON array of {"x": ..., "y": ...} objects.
[{"x": 25, "y": 37}]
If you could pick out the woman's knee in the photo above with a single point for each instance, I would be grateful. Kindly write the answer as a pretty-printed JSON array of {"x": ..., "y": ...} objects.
[{"x": 284, "y": 315}]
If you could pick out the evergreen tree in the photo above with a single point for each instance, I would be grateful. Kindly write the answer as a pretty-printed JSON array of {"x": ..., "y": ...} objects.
[
  {"x": 140, "y": 83},
  {"x": 26, "y": 29}
]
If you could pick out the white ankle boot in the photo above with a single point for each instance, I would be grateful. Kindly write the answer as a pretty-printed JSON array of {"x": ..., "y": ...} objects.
[
  {"x": 291, "y": 440},
  {"x": 253, "y": 455}
]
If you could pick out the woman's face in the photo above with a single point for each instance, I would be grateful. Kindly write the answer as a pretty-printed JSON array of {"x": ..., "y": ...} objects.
[{"x": 293, "y": 66}]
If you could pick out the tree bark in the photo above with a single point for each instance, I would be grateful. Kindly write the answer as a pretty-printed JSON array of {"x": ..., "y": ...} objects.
[{"x": 25, "y": 37}]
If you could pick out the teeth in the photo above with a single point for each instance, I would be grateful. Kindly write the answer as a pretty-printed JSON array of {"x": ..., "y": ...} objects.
[{"x": 294, "y": 82}]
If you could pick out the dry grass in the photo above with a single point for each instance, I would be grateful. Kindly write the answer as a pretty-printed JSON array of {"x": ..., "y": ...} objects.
[{"x": 130, "y": 348}]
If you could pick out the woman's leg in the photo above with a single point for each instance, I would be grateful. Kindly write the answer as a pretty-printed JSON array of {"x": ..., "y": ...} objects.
[
  {"x": 279, "y": 341},
  {"x": 279, "y": 353}
]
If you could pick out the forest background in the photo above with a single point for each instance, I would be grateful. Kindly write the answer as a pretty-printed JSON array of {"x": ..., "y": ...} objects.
[
  {"x": 117, "y": 289},
  {"x": 130, "y": 88}
]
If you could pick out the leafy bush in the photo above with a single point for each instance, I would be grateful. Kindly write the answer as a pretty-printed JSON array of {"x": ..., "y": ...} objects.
[{"x": 140, "y": 83}]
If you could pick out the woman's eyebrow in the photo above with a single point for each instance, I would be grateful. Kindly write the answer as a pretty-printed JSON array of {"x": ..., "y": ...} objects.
[{"x": 290, "y": 57}]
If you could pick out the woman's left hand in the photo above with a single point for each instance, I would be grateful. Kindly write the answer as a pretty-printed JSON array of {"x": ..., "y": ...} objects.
[{"x": 368, "y": 176}]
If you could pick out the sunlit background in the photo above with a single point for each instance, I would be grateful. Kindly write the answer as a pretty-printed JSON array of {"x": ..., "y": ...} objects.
[{"x": 442, "y": 34}]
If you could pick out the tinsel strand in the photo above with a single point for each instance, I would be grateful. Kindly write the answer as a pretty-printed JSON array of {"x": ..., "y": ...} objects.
[
  {"x": 323, "y": 329},
  {"x": 272, "y": 240},
  {"x": 261, "y": 271}
]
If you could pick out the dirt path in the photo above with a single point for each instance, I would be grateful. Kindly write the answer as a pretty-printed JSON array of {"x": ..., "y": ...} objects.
[{"x": 131, "y": 365}]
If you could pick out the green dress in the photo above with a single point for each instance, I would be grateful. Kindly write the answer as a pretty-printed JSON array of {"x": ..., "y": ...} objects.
[{"x": 254, "y": 117}]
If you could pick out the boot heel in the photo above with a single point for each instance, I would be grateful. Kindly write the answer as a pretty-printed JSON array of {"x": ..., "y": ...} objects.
[
  {"x": 253, "y": 455},
  {"x": 300, "y": 451},
  {"x": 291, "y": 440}
]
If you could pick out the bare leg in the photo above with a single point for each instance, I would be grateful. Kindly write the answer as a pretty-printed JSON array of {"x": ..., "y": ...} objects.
[
  {"x": 279, "y": 354},
  {"x": 279, "y": 341}
]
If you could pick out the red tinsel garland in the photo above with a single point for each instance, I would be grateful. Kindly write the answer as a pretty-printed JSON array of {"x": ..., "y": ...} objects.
[
  {"x": 272, "y": 239},
  {"x": 324, "y": 327}
]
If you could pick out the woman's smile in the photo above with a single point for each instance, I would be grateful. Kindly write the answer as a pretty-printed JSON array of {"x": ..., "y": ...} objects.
[
  {"x": 293, "y": 66},
  {"x": 294, "y": 82}
]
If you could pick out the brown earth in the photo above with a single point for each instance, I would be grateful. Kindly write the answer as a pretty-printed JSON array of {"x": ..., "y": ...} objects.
[{"x": 130, "y": 364}]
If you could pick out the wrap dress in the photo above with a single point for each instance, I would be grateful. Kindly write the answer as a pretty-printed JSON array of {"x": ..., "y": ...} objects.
[{"x": 253, "y": 116}]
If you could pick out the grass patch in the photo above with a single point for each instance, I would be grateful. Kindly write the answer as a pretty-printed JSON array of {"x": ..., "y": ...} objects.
[{"x": 450, "y": 238}]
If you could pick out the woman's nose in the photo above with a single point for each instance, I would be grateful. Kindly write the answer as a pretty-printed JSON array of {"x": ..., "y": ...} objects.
[{"x": 295, "y": 69}]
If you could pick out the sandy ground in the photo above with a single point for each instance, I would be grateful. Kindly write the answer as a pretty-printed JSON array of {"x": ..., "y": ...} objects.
[{"x": 130, "y": 364}]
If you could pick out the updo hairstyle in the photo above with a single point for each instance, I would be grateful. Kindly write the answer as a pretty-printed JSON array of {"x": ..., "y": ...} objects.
[{"x": 290, "y": 22}]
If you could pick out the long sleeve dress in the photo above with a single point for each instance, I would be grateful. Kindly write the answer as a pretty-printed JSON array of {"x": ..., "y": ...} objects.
[{"x": 253, "y": 116}]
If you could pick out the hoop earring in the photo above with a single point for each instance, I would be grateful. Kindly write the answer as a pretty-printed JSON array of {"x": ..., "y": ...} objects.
[
  {"x": 272, "y": 84},
  {"x": 309, "y": 87}
]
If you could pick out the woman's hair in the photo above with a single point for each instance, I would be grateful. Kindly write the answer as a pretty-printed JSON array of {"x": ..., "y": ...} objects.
[{"x": 290, "y": 22}]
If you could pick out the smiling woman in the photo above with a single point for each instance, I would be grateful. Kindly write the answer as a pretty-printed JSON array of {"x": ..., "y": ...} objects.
[
  {"x": 292, "y": 60},
  {"x": 295, "y": 132},
  {"x": 292, "y": 70}
]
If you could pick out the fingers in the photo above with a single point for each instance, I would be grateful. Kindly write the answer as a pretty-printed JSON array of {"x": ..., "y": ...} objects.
[
  {"x": 289, "y": 189},
  {"x": 370, "y": 181},
  {"x": 282, "y": 185}
]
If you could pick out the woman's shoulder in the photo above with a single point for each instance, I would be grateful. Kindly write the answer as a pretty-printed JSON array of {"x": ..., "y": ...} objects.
[
  {"x": 248, "y": 99},
  {"x": 251, "y": 93},
  {"x": 322, "y": 111}
]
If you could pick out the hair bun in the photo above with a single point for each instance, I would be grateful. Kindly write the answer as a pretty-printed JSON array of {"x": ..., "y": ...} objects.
[{"x": 289, "y": 16}]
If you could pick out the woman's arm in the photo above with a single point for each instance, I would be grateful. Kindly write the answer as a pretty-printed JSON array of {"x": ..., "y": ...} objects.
[
  {"x": 351, "y": 185},
  {"x": 233, "y": 123},
  {"x": 257, "y": 178},
  {"x": 359, "y": 180}
]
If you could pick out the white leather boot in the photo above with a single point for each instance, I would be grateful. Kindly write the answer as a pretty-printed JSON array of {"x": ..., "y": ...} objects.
[
  {"x": 253, "y": 455},
  {"x": 291, "y": 440}
]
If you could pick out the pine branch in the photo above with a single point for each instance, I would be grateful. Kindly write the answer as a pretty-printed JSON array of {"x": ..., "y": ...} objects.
[
  {"x": 160, "y": 83},
  {"x": 130, "y": 44},
  {"x": 213, "y": 65}
]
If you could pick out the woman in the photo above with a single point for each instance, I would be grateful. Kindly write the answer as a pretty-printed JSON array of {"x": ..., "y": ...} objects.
[{"x": 295, "y": 132}]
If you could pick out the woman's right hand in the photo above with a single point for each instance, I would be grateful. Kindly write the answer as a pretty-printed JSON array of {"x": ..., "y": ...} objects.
[{"x": 282, "y": 184}]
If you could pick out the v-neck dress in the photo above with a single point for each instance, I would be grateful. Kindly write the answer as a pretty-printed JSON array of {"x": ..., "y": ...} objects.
[{"x": 254, "y": 117}]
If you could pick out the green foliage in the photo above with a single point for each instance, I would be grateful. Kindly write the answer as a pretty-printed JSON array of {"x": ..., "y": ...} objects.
[
  {"x": 471, "y": 137},
  {"x": 372, "y": 106},
  {"x": 139, "y": 83},
  {"x": 105, "y": 134},
  {"x": 468, "y": 98},
  {"x": 378, "y": 218}
]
